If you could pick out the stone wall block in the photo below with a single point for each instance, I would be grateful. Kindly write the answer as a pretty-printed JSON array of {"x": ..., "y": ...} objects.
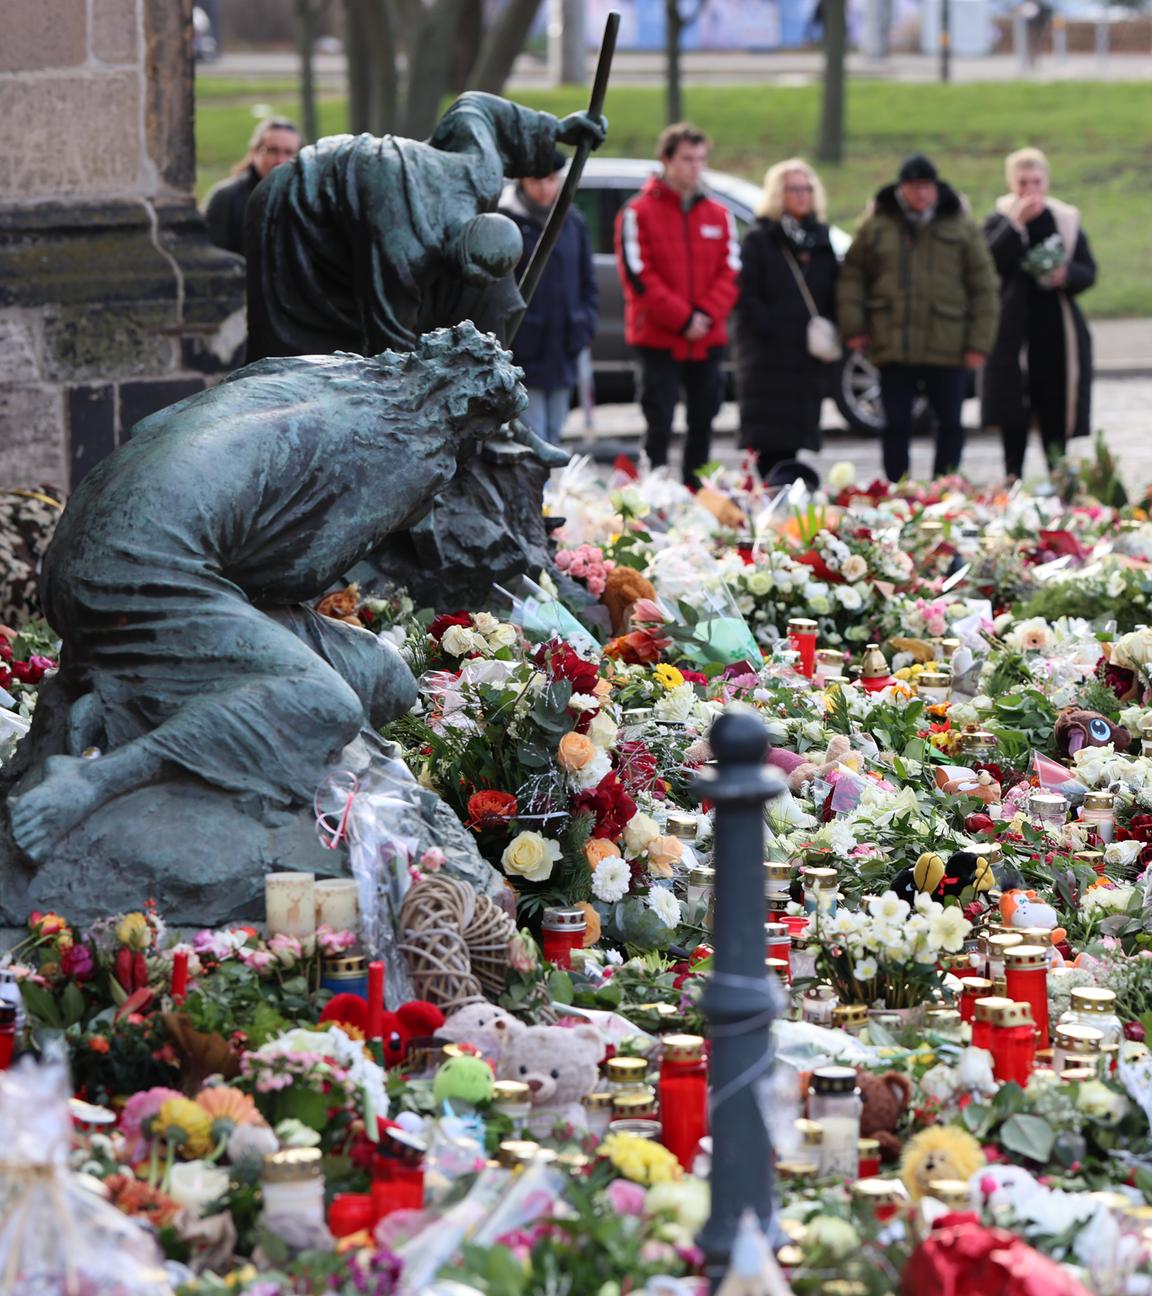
[
  {"x": 40, "y": 34},
  {"x": 18, "y": 349},
  {"x": 171, "y": 102},
  {"x": 115, "y": 30},
  {"x": 33, "y": 440},
  {"x": 96, "y": 344},
  {"x": 77, "y": 135}
]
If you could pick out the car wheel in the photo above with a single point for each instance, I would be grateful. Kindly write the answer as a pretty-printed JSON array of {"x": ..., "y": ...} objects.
[{"x": 857, "y": 397}]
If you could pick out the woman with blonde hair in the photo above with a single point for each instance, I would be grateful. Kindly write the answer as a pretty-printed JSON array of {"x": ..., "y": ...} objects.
[
  {"x": 1040, "y": 369},
  {"x": 787, "y": 277}
]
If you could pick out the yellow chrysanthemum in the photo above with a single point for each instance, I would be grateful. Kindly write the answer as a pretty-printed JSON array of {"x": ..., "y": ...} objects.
[
  {"x": 187, "y": 1125},
  {"x": 667, "y": 675},
  {"x": 641, "y": 1160},
  {"x": 133, "y": 930}
]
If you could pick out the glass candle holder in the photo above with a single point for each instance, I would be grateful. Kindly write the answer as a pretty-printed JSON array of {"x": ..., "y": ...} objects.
[
  {"x": 934, "y": 687},
  {"x": 802, "y": 637},
  {"x": 1098, "y": 813},
  {"x": 626, "y": 1074},
  {"x": 777, "y": 884},
  {"x": 829, "y": 664},
  {"x": 995, "y": 949},
  {"x": 777, "y": 941},
  {"x": 834, "y": 1103},
  {"x": 1048, "y": 809},
  {"x": 562, "y": 932},
  {"x": 820, "y": 890},
  {"x": 1077, "y": 1046},
  {"x": 879, "y": 1199},
  {"x": 851, "y": 1018}
]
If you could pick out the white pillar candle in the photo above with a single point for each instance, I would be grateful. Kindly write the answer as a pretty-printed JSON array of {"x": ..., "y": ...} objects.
[
  {"x": 290, "y": 904},
  {"x": 338, "y": 904}
]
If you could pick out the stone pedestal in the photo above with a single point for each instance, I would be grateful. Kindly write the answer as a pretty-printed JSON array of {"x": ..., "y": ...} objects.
[{"x": 112, "y": 302}]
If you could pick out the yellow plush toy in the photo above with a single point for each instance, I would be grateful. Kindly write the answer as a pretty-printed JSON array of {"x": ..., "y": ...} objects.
[{"x": 938, "y": 1152}]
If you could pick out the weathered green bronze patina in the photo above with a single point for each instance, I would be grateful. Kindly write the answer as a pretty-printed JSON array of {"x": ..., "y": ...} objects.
[{"x": 178, "y": 579}]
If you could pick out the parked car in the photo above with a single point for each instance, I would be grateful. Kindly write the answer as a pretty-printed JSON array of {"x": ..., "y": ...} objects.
[{"x": 605, "y": 186}]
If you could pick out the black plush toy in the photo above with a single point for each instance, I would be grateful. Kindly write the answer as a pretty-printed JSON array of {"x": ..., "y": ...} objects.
[{"x": 931, "y": 876}]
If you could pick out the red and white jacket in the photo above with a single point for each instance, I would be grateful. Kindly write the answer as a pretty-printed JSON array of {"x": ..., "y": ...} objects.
[{"x": 674, "y": 260}]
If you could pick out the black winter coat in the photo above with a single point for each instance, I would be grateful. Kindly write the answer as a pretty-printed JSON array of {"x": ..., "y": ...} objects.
[
  {"x": 225, "y": 208},
  {"x": 561, "y": 318},
  {"x": 1005, "y": 381},
  {"x": 778, "y": 384}
]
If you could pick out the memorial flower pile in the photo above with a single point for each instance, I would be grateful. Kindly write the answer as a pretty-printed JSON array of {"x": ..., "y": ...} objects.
[{"x": 968, "y": 769}]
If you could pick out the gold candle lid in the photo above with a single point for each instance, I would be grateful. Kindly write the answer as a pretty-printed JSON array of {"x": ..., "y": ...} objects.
[
  {"x": 573, "y": 1162},
  {"x": 598, "y": 1100},
  {"x": 642, "y": 1102},
  {"x": 830, "y": 656},
  {"x": 877, "y": 1191},
  {"x": 510, "y": 1091},
  {"x": 802, "y": 625},
  {"x": 683, "y": 1048},
  {"x": 1078, "y": 1075},
  {"x": 777, "y": 871},
  {"x": 703, "y": 875},
  {"x": 942, "y": 1018},
  {"x": 981, "y": 987},
  {"x": 517, "y": 1152},
  {"x": 629, "y": 1069},
  {"x": 1093, "y": 999},
  {"x": 977, "y": 738},
  {"x": 1004, "y": 941},
  {"x": 291, "y": 1165},
  {"x": 1099, "y": 800},
  {"x": 934, "y": 679},
  {"x": 850, "y": 1015},
  {"x": 778, "y": 967},
  {"x": 795, "y": 1170},
  {"x": 1026, "y": 958},
  {"x": 1012, "y": 1013},
  {"x": 1081, "y": 1039},
  {"x": 811, "y": 1132},
  {"x": 347, "y": 965},
  {"x": 1041, "y": 936},
  {"x": 868, "y": 1147},
  {"x": 950, "y": 1192},
  {"x": 986, "y": 1008},
  {"x": 681, "y": 825},
  {"x": 822, "y": 879}
]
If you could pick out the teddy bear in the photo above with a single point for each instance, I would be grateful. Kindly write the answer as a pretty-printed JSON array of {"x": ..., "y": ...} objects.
[
  {"x": 1075, "y": 729},
  {"x": 463, "y": 1080},
  {"x": 559, "y": 1064},
  {"x": 483, "y": 1025},
  {"x": 417, "y": 1019},
  {"x": 938, "y": 1152},
  {"x": 803, "y": 769},
  {"x": 622, "y": 587},
  {"x": 930, "y": 875},
  {"x": 886, "y": 1098},
  {"x": 1022, "y": 909},
  {"x": 958, "y": 780}
]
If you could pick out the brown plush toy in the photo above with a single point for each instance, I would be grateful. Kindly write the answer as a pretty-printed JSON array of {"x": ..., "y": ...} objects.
[
  {"x": 622, "y": 587},
  {"x": 1076, "y": 729},
  {"x": 886, "y": 1099}
]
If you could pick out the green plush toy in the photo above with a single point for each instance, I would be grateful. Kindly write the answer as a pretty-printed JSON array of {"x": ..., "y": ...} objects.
[{"x": 463, "y": 1079}]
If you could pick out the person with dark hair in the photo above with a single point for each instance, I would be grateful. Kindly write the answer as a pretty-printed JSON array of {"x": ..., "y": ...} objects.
[
  {"x": 561, "y": 318},
  {"x": 918, "y": 290},
  {"x": 678, "y": 253},
  {"x": 275, "y": 140}
]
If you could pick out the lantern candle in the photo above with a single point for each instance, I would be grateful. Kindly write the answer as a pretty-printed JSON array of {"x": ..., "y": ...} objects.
[
  {"x": 829, "y": 664},
  {"x": 562, "y": 931},
  {"x": 1012, "y": 1042},
  {"x": 179, "y": 976},
  {"x": 338, "y": 904},
  {"x": 1026, "y": 972},
  {"x": 802, "y": 637},
  {"x": 874, "y": 673},
  {"x": 973, "y": 988},
  {"x": 1098, "y": 814},
  {"x": 290, "y": 904},
  {"x": 683, "y": 1088},
  {"x": 777, "y": 942},
  {"x": 983, "y": 1011},
  {"x": 777, "y": 888}
]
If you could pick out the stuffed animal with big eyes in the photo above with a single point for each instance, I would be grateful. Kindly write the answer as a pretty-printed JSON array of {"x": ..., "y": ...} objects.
[{"x": 1076, "y": 729}]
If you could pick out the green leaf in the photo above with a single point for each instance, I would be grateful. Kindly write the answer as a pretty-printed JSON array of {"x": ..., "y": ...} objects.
[
  {"x": 40, "y": 1005},
  {"x": 1008, "y": 1101},
  {"x": 560, "y": 987},
  {"x": 1144, "y": 1182},
  {"x": 978, "y": 1120},
  {"x": 72, "y": 1004},
  {"x": 1028, "y": 1136}
]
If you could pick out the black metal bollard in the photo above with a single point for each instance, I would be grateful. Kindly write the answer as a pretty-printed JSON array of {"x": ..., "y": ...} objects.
[{"x": 739, "y": 1000}]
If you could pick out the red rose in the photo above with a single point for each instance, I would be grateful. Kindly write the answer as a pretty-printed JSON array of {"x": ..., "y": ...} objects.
[
  {"x": 1118, "y": 679},
  {"x": 1141, "y": 827},
  {"x": 979, "y": 823},
  {"x": 77, "y": 962},
  {"x": 446, "y": 619},
  {"x": 610, "y": 803},
  {"x": 490, "y": 809},
  {"x": 638, "y": 647},
  {"x": 562, "y": 662}
]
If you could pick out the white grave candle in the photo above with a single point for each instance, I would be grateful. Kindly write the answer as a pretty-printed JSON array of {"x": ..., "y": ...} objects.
[
  {"x": 338, "y": 904},
  {"x": 290, "y": 904}
]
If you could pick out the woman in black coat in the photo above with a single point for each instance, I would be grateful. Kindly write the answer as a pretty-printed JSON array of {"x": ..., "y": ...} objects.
[
  {"x": 1041, "y": 366},
  {"x": 780, "y": 386}
]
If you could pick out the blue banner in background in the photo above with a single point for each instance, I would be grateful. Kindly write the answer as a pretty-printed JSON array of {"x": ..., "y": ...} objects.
[{"x": 722, "y": 25}]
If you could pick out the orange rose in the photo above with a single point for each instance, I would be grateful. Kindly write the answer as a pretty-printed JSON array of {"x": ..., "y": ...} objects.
[
  {"x": 663, "y": 853},
  {"x": 603, "y": 689},
  {"x": 599, "y": 848},
  {"x": 592, "y": 918},
  {"x": 575, "y": 752}
]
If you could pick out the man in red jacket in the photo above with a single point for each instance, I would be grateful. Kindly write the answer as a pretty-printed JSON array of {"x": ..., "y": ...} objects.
[{"x": 679, "y": 256}]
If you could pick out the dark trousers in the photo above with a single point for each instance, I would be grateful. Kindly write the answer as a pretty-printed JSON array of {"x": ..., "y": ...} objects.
[
  {"x": 661, "y": 378},
  {"x": 943, "y": 386},
  {"x": 1049, "y": 406}
]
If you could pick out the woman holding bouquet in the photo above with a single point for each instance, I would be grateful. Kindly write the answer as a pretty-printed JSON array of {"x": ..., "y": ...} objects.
[{"x": 1041, "y": 366}]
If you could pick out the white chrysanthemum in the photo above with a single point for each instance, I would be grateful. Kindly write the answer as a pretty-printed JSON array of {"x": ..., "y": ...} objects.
[
  {"x": 676, "y": 705},
  {"x": 665, "y": 906},
  {"x": 583, "y": 702},
  {"x": 610, "y": 879},
  {"x": 849, "y": 598},
  {"x": 820, "y": 604},
  {"x": 865, "y": 969},
  {"x": 889, "y": 908},
  {"x": 591, "y": 774}
]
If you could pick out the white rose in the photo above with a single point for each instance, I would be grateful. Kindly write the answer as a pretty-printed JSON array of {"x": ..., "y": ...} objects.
[
  {"x": 1124, "y": 852},
  {"x": 457, "y": 640},
  {"x": 820, "y": 604},
  {"x": 530, "y": 855},
  {"x": 195, "y": 1185},
  {"x": 758, "y": 582},
  {"x": 485, "y": 622},
  {"x": 640, "y": 831},
  {"x": 854, "y": 568},
  {"x": 840, "y": 476},
  {"x": 849, "y": 597},
  {"x": 503, "y": 636},
  {"x": 603, "y": 730}
]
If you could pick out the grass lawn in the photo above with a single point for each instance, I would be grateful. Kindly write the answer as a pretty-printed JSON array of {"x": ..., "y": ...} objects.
[{"x": 1098, "y": 138}]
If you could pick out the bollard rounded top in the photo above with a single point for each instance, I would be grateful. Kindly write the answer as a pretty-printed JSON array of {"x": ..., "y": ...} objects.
[{"x": 739, "y": 737}]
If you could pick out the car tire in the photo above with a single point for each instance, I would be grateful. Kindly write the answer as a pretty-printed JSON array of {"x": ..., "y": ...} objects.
[{"x": 857, "y": 397}]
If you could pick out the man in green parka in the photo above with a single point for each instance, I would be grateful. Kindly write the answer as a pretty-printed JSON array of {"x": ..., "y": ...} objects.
[{"x": 918, "y": 291}]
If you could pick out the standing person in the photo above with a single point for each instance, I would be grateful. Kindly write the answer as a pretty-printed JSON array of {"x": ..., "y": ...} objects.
[
  {"x": 274, "y": 141},
  {"x": 1041, "y": 365},
  {"x": 561, "y": 318},
  {"x": 679, "y": 255},
  {"x": 918, "y": 290},
  {"x": 779, "y": 383}
]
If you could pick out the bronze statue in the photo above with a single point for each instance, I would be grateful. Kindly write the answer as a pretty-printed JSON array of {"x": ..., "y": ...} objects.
[{"x": 179, "y": 571}]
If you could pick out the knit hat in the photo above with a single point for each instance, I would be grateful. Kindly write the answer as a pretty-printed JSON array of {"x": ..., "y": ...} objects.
[
  {"x": 917, "y": 167},
  {"x": 559, "y": 161}
]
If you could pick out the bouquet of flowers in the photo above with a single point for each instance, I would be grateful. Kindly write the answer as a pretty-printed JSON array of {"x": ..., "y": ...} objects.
[{"x": 1044, "y": 257}]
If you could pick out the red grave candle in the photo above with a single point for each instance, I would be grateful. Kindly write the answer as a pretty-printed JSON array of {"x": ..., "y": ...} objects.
[
  {"x": 7, "y": 1034},
  {"x": 374, "y": 1021},
  {"x": 561, "y": 932},
  {"x": 802, "y": 637},
  {"x": 1026, "y": 977},
  {"x": 973, "y": 988},
  {"x": 983, "y": 1013},
  {"x": 179, "y": 976},
  {"x": 683, "y": 1087},
  {"x": 1013, "y": 1045}
]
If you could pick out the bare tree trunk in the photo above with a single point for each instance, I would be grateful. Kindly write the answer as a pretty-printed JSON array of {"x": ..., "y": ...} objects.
[
  {"x": 429, "y": 58},
  {"x": 466, "y": 43},
  {"x": 831, "y": 144},
  {"x": 503, "y": 42},
  {"x": 369, "y": 40},
  {"x": 673, "y": 98},
  {"x": 305, "y": 30}
]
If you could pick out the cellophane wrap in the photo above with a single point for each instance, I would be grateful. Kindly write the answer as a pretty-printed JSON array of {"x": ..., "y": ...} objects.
[{"x": 58, "y": 1237}]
